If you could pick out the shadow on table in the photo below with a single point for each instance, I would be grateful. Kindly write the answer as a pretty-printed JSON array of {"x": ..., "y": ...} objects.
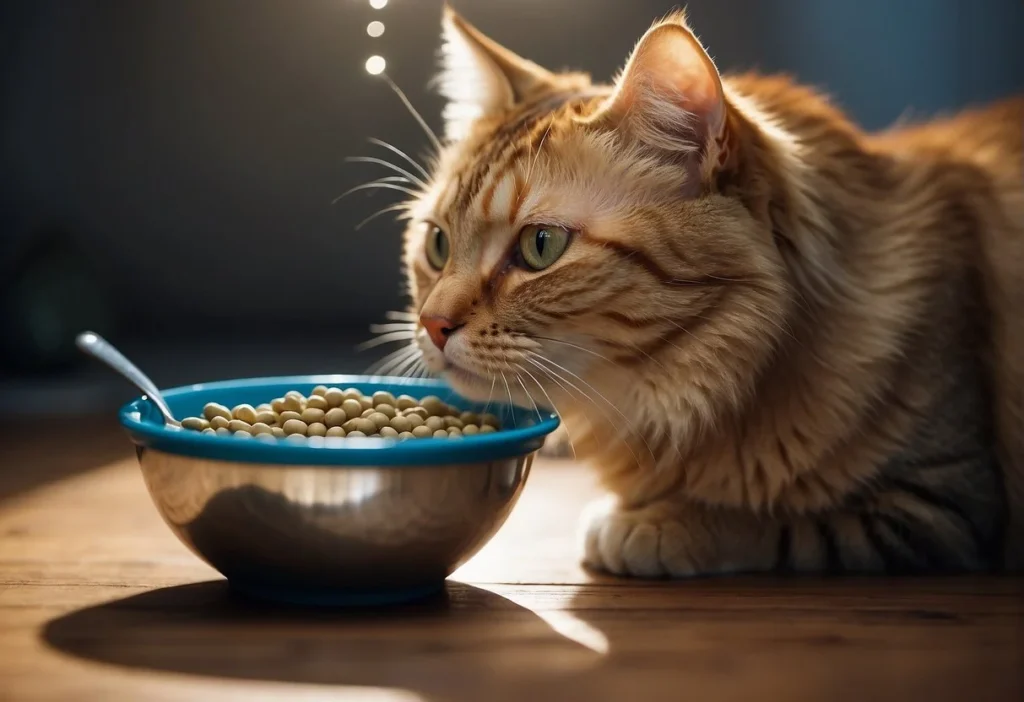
[{"x": 466, "y": 643}]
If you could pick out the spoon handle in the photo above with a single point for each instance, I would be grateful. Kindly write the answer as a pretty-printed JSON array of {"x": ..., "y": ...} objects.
[{"x": 96, "y": 346}]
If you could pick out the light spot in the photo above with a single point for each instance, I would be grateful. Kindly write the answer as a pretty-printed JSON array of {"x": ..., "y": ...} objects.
[
  {"x": 378, "y": 4},
  {"x": 375, "y": 65},
  {"x": 375, "y": 29}
]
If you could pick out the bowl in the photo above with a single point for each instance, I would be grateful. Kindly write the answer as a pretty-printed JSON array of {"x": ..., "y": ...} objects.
[{"x": 363, "y": 521}]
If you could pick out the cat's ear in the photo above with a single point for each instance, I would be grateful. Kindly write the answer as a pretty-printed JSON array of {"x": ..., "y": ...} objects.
[
  {"x": 669, "y": 95},
  {"x": 480, "y": 77}
]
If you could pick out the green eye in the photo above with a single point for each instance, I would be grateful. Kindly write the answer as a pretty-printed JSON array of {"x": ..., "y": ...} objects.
[
  {"x": 437, "y": 247},
  {"x": 542, "y": 245}
]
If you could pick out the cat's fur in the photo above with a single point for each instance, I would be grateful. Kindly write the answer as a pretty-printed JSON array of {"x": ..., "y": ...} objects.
[{"x": 784, "y": 344}]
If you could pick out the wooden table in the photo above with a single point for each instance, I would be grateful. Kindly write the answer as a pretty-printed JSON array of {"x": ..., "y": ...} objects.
[{"x": 99, "y": 601}]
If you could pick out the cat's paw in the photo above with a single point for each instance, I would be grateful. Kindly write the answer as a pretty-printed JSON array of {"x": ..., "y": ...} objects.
[{"x": 643, "y": 543}]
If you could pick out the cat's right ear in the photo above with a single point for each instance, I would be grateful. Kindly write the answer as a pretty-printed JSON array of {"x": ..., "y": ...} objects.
[
  {"x": 481, "y": 77},
  {"x": 669, "y": 96}
]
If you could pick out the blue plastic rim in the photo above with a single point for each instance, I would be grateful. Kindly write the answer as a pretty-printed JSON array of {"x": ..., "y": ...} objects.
[{"x": 523, "y": 431}]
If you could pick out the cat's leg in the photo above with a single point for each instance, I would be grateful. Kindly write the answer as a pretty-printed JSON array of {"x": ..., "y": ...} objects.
[{"x": 891, "y": 533}]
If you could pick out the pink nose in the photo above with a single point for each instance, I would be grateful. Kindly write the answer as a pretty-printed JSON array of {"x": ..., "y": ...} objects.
[{"x": 439, "y": 329}]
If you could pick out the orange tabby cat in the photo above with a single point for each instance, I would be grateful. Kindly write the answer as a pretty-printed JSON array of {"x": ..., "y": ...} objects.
[{"x": 784, "y": 344}]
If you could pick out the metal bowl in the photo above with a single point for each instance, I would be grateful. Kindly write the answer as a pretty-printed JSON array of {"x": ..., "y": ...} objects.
[{"x": 357, "y": 521}]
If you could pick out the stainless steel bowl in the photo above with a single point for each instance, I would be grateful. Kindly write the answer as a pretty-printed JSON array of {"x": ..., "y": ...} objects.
[{"x": 321, "y": 525}]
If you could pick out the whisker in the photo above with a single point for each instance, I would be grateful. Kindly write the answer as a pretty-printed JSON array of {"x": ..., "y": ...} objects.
[
  {"x": 536, "y": 156},
  {"x": 400, "y": 315},
  {"x": 407, "y": 157},
  {"x": 400, "y": 361},
  {"x": 387, "y": 164},
  {"x": 383, "y": 211},
  {"x": 575, "y": 346},
  {"x": 490, "y": 394},
  {"x": 388, "y": 358},
  {"x": 381, "y": 184},
  {"x": 554, "y": 408},
  {"x": 393, "y": 326},
  {"x": 532, "y": 401},
  {"x": 388, "y": 338},
  {"x": 558, "y": 380},
  {"x": 511, "y": 403},
  {"x": 412, "y": 110}
]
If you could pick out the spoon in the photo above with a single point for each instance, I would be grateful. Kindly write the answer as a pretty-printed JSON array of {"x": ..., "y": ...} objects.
[{"x": 99, "y": 348}]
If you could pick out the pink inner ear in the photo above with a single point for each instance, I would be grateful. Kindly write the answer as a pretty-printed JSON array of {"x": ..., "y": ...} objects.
[{"x": 670, "y": 69}]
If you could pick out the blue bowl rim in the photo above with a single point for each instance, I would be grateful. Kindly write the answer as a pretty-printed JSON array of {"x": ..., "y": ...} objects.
[{"x": 143, "y": 423}]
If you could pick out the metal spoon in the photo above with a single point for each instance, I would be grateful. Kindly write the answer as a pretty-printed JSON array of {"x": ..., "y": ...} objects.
[{"x": 99, "y": 348}]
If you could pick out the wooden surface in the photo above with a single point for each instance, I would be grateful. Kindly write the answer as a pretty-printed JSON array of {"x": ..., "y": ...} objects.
[{"x": 99, "y": 601}]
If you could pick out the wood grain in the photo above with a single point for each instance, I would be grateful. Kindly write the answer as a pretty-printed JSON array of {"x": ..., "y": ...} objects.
[{"x": 98, "y": 600}]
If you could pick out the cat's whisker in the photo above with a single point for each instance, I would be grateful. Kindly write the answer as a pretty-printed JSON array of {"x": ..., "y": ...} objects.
[
  {"x": 403, "y": 368},
  {"x": 558, "y": 380},
  {"x": 554, "y": 408},
  {"x": 398, "y": 361},
  {"x": 626, "y": 419},
  {"x": 391, "y": 147},
  {"x": 375, "y": 367},
  {"x": 388, "y": 338},
  {"x": 511, "y": 403},
  {"x": 536, "y": 409},
  {"x": 536, "y": 156},
  {"x": 392, "y": 326},
  {"x": 575, "y": 346},
  {"x": 383, "y": 211},
  {"x": 379, "y": 184},
  {"x": 387, "y": 164},
  {"x": 490, "y": 394},
  {"x": 401, "y": 316},
  {"x": 414, "y": 112}
]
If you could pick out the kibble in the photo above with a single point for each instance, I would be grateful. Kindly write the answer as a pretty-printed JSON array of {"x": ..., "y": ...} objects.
[{"x": 329, "y": 415}]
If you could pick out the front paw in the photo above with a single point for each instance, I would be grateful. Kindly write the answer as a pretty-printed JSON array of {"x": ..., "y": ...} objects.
[{"x": 644, "y": 543}]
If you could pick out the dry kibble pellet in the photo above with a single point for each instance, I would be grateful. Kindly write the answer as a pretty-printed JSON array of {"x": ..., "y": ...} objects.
[
  {"x": 352, "y": 408},
  {"x": 388, "y": 433},
  {"x": 379, "y": 420},
  {"x": 469, "y": 418},
  {"x": 351, "y": 394},
  {"x": 401, "y": 424},
  {"x": 387, "y": 409},
  {"x": 239, "y": 425},
  {"x": 245, "y": 412},
  {"x": 223, "y": 431},
  {"x": 194, "y": 423},
  {"x": 454, "y": 433},
  {"x": 319, "y": 391},
  {"x": 260, "y": 428},
  {"x": 278, "y": 432},
  {"x": 296, "y": 438},
  {"x": 219, "y": 422},
  {"x": 422, "y": 431},
  {"x": 316, "y": 429},
  {"x": 265, "y": 437},
  {"x": 367, "y": 412},
  {"x": 215, "y": 409},
  {"x": 266, "y": 417},
  {"x": 294, "y": 401},
  {"x": 382, "y": 397},
  {"x": 334, "y": 397},
  {"x": 286, "y": 415},
  {"x": 294, "y": 426},
  {"x": 490, "y": 420},
  {"x": 487, "y": 429},
  {"x": 265, "y": 407},
  {"x": 420, "y": 412},
  {"x": 440, "y": 434},
  {"x": 415, "y": 420},
  {"x": 208, "y": 430},
  {"x": 335, "y": 417},
  {"x": 311, "y": 415},
  {"x": 405, "y": 435},
  {"x": 277, "y": 405},
  {"x": 335, "y": 431},
  {"x": 451, "y": 422},
  {"x": 366, "y": 402},
  {"x": 404, "y": 402},
  {"x": 355, "y": 435},
  {"x": 242, "y": 434},
  {"x": 435, "y": 423},
  {"x": 317, "y": 402},
  {"x": 470, "y": 430},
  {"x": 433, "y": 405},
  {"x": 364, "y": 426}
]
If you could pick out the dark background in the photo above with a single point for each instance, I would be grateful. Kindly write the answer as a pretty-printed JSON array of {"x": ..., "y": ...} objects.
[{"x": 167, "y": 169}]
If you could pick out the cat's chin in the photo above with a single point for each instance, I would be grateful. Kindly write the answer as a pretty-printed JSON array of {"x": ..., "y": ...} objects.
[{"x": 468, "y": 384}]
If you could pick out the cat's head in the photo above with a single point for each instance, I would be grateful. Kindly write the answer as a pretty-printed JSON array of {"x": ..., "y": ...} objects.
[{"x": 577, "y": 240}]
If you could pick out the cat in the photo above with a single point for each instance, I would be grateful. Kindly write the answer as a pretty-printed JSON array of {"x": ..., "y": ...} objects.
[{"x": 785, "y": 345}]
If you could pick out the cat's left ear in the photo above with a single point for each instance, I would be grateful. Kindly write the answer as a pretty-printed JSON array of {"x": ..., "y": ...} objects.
[
  {"x": 669, "y": 96},
  {"x": 481, "y": 77}
]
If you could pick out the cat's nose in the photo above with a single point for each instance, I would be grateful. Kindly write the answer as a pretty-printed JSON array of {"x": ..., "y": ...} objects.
[{"x": 439, "y": 329}]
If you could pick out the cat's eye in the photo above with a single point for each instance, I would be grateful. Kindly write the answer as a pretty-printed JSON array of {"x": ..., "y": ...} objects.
[
  {"x": 542, "y": 245},
  {"x": 437, "y": 247}
]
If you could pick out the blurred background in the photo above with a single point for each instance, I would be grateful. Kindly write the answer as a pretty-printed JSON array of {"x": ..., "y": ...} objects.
[{"x": 167, "y": 169}]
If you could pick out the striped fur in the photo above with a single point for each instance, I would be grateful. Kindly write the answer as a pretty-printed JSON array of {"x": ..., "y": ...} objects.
[{"x": 784, "y": 344}]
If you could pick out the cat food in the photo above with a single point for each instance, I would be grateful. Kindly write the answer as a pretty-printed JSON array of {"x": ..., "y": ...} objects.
[{"x": 332, "y": 413}]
